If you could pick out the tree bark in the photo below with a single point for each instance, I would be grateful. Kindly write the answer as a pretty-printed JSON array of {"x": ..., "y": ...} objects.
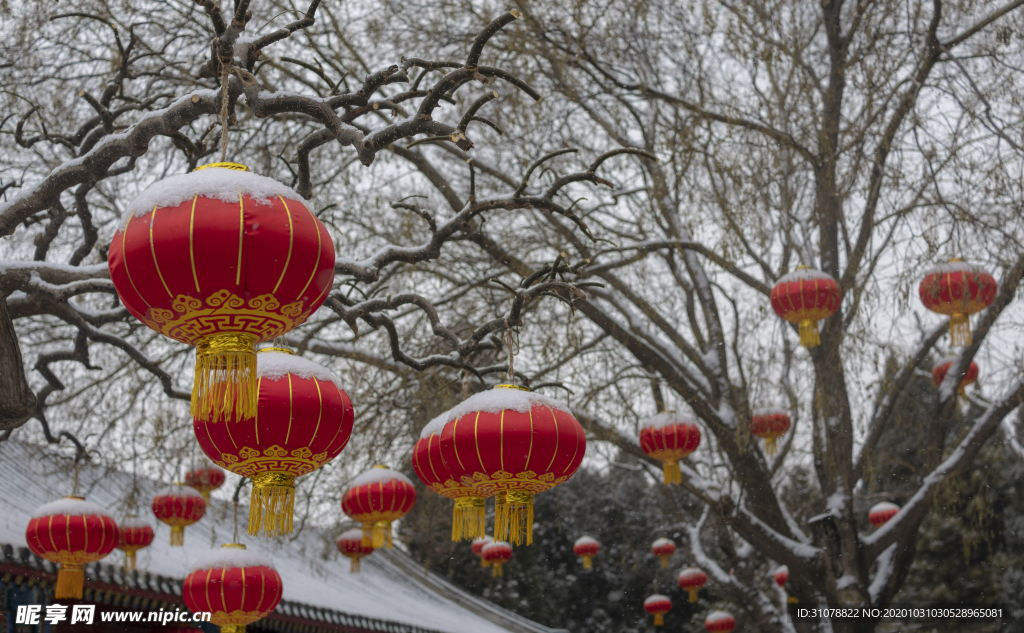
[{"x": 17, "y": 400}]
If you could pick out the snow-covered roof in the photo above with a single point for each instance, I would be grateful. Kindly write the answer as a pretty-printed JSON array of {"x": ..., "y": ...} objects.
[
  {"x": 499, "y": 399},
  {"x": 391, "y": 587},
  {"x": 274, "y": 365}
]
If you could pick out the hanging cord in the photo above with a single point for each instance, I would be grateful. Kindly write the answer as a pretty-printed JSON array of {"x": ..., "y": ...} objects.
[
  {"x": 248, "y": 80},
  {"x": 511, "y": 343}
]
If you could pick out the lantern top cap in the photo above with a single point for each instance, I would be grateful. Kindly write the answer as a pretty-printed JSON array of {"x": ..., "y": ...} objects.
[
  {"x": 179, "y": 490},
  {"x": 378, "y": 474},
  {"x": 435, "y": 426},
  {"x": 484, "y": 539},
  {"x": 586, "y": 540},
  {"x": 661, "y": 542},
  {"x": 233, "y": 546},
  {"x": 884, "y": 505},
  {"x": 352, "y": 535},
  {"x": 233, "y": 166},
  {"x": 510, "y": 386},
  {"x": 804, "y": 273},
  {"x": 769, "y": 411},
  {"x": 75, "y": 497},
  {"x": 717, "y": 616},
  {"x": 501, "y": 398},
  {"x": 232, "y": 556},
  {"x": 132, "y": 521},
  {"x": 282, "y": 350},
  {"x": 666, "y": 418},
  {"x": 689, "y": 571},
  {"x": 275, "y": 364},
  {"x": 955, "y": 265},
  {"x": 69, "y": 506},
  {"x": 656, "y": 598}
]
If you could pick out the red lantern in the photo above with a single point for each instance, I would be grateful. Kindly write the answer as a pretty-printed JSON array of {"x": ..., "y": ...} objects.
[
  {"x": 468, "y": 519},
  {"x": 513, "y": 444},
  {"x": 782, "y": 576},
  {"x": 880, "y": 513},
  {"x": 303, "y": 421},
  {"x": 134, "y": 534},
  {"x": 478, "y": 546},
  {"x": 658, "y": 605},
  {"x": 806, "y": 296},
  {"x": 669, "y": 437},
  {"x": 719, "y": 622},
  {"x": 221, "y": 259},
  {"x": 691, "y": 579},
  {"x": 663, "y": 548},
  {"x": 350, "y": 544},
  {"x": 958, "y": 289},
  {"x": 179, "y": 506},
  {"x": 375, "y": 499},
  {"x": 72, "y": 533},
  {"x": 236, "y": 586},
  {"x": 942, "y": 368},
  {"x": 586, "y": 548},
  {"x": 497, "y": 554},
  {"x": 205, "y": 480},
  {"x": 769, "y": 425}
]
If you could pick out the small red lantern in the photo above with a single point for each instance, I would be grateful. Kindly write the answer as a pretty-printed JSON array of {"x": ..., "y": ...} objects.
[
  {"x": 942, "y": 368},
  {"x": 469, "y": 520},
  {"x": 72, "y": 533},
  {"x": 691, "y": 579},
  {"x": 350, "y": 544},
  {"x": 303, "y": 421},
  {"x": 179, "y": 506},
  {"x": 658, "y": 605},
  {"x": 375, "y": 499},
  {"x": 478, "y": 546},
  {"x": 135, "y": 534},
  {"x": 205, "y": 480},
  {"x": 958, "y": 289},
  {"x": 781, "y": 576},
  {"x": 236, "y": 586},
  {"x": 719, "y": 622},
  {"x": 221, "y": 259},
  {"x": 512, "y": 444},
  {"x": 586, "y": 548},
  {"x": 663, "y": 548},
  {"x": 880, "y": 513},
  {"x": 806, "y": 296},
  {"x": 669, "y": 437},
  {"x": 497, "y": 554},
  {"x": 769, "y": 425}
]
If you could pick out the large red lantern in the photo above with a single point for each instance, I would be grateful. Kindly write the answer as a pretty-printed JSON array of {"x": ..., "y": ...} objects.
[
  {"x": 205, "y": 479},
  {"x": 719, "y": 622},
  {"x": 806, "y": 296},
  {"x": 769, "y": 425},
  {"x": 236, "y": 586},
  {"x": 658, "y": 605},
  {"x": 221, "y": 259},
  {"x": 942, "y": 368},
  {"x": 781, "y": 575},
  {"x": 179, "y": 506},
  {"x": 669, "y": 437},
  {"x": 512, "y": 443},
  {"x": 691, "y": 580},
  {"x": 880, "y": 513},
  {"x": 477, "y": 547},
  {"x": 586, "y": 548},
  {"x": 468, "y": 519},
  {"x": 958, "y": 289},
  {"x": 497, "y": 554},
  {"x": 350, "y": 544},
  {"x": 72, "y": 533},
  {"x": 375, "y": 499},
  {"x": 663, "y": 548},
  {"x": 134, "y": 534},
  {"x": 303, "y": 421}
]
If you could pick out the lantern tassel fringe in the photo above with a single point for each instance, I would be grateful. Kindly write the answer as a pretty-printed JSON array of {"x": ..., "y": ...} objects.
[
  {"x": 484, "y": 562},
  {"x": 659, "y": 619},
  {"x": 356, "y": 566},
  {"x": 70, "y": 582},
  {"x": 272, "y": 505},
  {"x": 496, "y": 571},
  {"x": 177, "y": 535},
  {"x": 377, "y": 534},
  {"x": 226, "y": 385},
  {"x": 513, "y": 519},
  {"x": 129, "y": 561},
  {"x": 664, "y": 562},
  {"x": 960, "y": 330},
  {"x": 673, "y": 474},
  {"x": 693, "y": 594},
  {"x": 588, "y": 562},
  {"x": 771, "y": 447},
  {"x": 232, "y": 628},
  {"x": 469, "y": 519},
  {"x": 809, "y": 336}
]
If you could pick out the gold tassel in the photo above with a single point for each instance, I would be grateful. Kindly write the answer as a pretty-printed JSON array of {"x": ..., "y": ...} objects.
[
  {"x": 693, "y": 593},
  {"x": 272, "y": 504},
  {"x": 496, "y": 571},
  {"x": 206, "y": 496},
  {"x": 792, "y": 600},
  {"x": 960, "y": 330},
  {"x": 588, "y": 562},
  {"x": 770, "y": 446},
  {"x": 664, "y": 562},
  {"x": 469, "y": 521},
  {"x": 232, "y": 628},
  {"x": 225, "y": 385},
  {"x": 673, "y": 475},
  {"x": 129, "y": 560},
  {"x": 513, "y": 519},
  {"x": 70, "y": 581},
  {"x": 659, "y": 619},
  {"x": 377, "y": 534},
  {"x": 356, "y": 565},
  {"x": 177, "y": 535},
  {"x": 484, "y": 562},
  {"x": 809, "y": 336}
]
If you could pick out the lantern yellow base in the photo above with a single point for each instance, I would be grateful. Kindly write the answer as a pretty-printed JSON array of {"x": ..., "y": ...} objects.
[
  {"x": 588, "y": 562},
  {"x": 496, "y": 570},
  {"x": 70, "y": 582},
  {"x": 513, "y": 517},
  {"x": 693, "y": 594},
  {"x": 664, "y": 562},
  {"x": 469, "y": 520},
  {"x": 226, "y": 385},
  {"x": 792, "y": 600},
  {"x": 771, "y": 447},
  {"x": 659, "y": 619},
  {"x": 673, "y": 474},
  {"x": 177, "y": 536},
  {"x": 377, "y": 534},
  {"x": 232, "y": 628},
  {"x": 356, "y": 565},
  {"x": 129, "y": 560},
  {"x": 484, "y": 562},
  {"x": 809, "y": 336},
  {"x": 272, "y": 504},
  {"x": 960, "y": 330}
]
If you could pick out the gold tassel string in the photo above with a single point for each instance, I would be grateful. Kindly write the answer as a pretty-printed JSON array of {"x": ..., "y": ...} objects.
[
  {"x": 588, "y": 562},
  {"x": 484, "y": 562},
  {"x": 356, "y": 566},
  {"x": 496, "y": 571},
  {"x": 226, "y": 385},
  {"x": 129, "y": 560},
  {"x": 381, "y": 534},
  {"x": 693, "y": 593},
  {"x": 664, "y": 562},
  {"x": 513, "y": 519},
  {"x": 177, "y": 535},
  {"x": 960, "y": 330},
  {"x": 469, "y": 521},
  {"x": 70, "y": 581},
  {"x": 771, "y": 447},
  {"x": 672, "y": 472},
  {"x": 809, "y": 336},
  {"x": 272, "y": 504},
  {"x": 659, "y": 619}
]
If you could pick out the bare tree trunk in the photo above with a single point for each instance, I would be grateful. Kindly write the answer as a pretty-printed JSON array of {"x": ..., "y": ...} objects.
[{"x": 17, "y": 401}]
